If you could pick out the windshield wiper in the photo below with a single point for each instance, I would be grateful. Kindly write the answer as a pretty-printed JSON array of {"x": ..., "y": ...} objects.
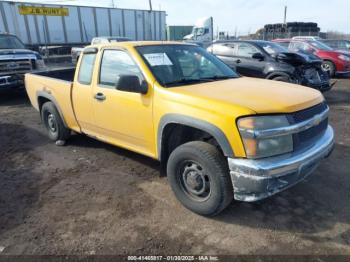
[
  {"x": 198, "y": 80},
  {"x": 216, "y": 77},
  {"x": 186, "y": 81}
]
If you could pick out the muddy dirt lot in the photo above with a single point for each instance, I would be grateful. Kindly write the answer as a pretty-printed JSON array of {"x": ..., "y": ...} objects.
[{"x": 91, "y": 198}]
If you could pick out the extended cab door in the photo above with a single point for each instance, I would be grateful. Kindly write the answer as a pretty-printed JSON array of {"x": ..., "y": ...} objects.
[
  {"x": 246, "y": 64},
  {"x": 82, "y": 92},
  {"x": 123, "y": 118}
]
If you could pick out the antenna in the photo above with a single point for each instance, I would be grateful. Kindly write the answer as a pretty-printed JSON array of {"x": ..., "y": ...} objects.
[{"x": 150, "y": 5}]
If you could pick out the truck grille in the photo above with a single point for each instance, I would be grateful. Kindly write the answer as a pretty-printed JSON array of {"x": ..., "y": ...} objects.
[
  {"x": 16, "y": 66},
  {"x": 309, "y": 136}
]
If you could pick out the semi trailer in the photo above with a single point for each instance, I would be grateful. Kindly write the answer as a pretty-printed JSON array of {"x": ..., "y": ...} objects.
[{"x": 66, "y": 25}]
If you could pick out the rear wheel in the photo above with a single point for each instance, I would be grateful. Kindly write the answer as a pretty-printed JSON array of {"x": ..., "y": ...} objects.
[
  {"x": 199, "y": 177},
  {"x": 328, "y": 67},
  {"x": 53, "y": 123}
]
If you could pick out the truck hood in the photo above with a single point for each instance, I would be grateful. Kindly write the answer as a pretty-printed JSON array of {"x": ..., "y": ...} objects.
[
  {"x": 7, "y": 54},
  {"x": 258, "y": 95}
]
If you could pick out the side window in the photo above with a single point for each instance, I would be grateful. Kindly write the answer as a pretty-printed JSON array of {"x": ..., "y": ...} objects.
[
  {"x": 247, "y": 50},
  {"x": 300, "y": 46},
  {"x": 296, "y": 46},
  {"x": 115, "y": 63},
  {"x": 86, "y": 69},
  {"x": 284, "y": 44},
  {"x": 224, "y": 50}
]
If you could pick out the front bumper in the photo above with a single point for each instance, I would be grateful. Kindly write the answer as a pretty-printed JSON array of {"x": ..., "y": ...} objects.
[
  {"x": 323, "y": 86},
  {"x": 342, "y": 72},
  {"x": 254, "y": 180},
  {"x": 11, "y": 81}
]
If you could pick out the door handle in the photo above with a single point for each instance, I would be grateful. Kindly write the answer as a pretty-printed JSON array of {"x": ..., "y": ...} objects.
[
  {"x": 238, "y": 61},
  {"x": 100, "y": 97}
]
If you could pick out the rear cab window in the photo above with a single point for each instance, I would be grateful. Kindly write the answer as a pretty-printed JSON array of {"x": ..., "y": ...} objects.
[{"x": 86, "y": 69}]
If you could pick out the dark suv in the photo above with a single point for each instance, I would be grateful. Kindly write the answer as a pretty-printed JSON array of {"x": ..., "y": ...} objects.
[{"x": 268, "y": 60}]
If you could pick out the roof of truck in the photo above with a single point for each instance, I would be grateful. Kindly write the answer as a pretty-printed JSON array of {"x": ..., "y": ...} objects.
[{"x": 141, "y": 43}]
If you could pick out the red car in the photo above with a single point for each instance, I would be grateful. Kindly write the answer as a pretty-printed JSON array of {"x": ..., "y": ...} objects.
[{"x": 334, "y": 62}]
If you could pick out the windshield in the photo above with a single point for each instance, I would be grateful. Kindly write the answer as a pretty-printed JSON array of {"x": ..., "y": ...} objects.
[
  {"x": 320, "y": 45},
  {"x": 174, "y": 65},
  {"x": 272, "y": 48},
  {"x": 10, "y": 42}
]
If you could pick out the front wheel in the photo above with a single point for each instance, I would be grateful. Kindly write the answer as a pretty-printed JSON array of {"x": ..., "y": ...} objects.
[
  {"x": 329, "y": 67},
  {"x": 199, "y": 177}
]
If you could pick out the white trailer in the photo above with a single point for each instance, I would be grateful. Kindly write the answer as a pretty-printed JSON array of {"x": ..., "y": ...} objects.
[{"x": 47, "y": 24}]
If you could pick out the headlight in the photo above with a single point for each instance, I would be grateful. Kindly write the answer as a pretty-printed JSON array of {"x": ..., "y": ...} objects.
[
  {"x": 344, "y": 58},
  {"x": 40, "y": 64},
  {"x": 256, "y": 147}
]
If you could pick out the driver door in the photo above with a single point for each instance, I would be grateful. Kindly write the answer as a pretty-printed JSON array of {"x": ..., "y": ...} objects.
[{"x": 123, "y": 118}]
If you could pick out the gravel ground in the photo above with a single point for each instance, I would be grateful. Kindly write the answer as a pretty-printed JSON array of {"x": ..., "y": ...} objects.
[{"x": 91, "y": 198}]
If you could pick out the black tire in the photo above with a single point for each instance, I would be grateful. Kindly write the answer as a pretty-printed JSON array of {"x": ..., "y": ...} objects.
[
  {"x": 329, "y": 67},
  {"x": 53, "y": 123},
  {"x": 282, "y": 79},
  {"x": 207, "y": 164}
]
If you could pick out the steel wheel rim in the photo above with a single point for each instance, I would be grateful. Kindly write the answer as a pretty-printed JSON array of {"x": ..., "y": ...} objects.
[
  {"x": 51, "y": 123},
  {"x": 194, "y": 181},
  {"x": 326, "y": 67}
]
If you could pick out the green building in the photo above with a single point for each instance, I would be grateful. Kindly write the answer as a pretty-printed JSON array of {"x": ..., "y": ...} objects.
[{"x": 177, "y": 32}]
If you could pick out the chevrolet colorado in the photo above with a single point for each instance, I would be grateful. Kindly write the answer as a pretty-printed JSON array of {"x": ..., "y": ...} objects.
[{"x": 218, "y": 136}]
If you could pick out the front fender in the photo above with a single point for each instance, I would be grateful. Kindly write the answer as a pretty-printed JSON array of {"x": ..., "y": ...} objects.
[{"x": 211, "y": 129}]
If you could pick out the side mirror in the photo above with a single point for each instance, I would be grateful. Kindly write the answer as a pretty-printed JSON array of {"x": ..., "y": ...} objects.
[
  {"x": 258, "y": 56},
  {"x": 131, "y": 83}
]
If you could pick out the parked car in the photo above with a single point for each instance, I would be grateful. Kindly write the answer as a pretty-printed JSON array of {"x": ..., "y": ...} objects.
[
  {"x": 268, "y": 60},
  {"x": 15, "y": 61},
  {"x": 334, "y": 62},
  {"x": 218, "y": 136},
  {"x": 75, "y": 52},
  {"x": 316, "y": 38},
  {"x": 342, "y": 45}
]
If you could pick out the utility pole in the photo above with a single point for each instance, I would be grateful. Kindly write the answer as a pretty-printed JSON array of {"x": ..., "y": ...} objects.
[
  {"x": 150, "y": 17},
  {"x": 285, "y": 15}
]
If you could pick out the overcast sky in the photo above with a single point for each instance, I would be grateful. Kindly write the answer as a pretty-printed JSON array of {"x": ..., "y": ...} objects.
[{"x": 246, "y": 15}]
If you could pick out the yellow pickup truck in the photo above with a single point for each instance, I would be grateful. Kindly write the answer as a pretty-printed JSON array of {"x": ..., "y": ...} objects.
[{"x": 217, "y": 135}]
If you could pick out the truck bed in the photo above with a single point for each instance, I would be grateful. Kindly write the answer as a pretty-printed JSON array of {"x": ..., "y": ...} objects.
[
  {"x": 54, "y": 85},
  {"x": 65, "y": 74}
]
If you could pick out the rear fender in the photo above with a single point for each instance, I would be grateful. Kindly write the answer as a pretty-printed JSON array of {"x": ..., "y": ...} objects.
[{"x": 48, "y": 97}]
